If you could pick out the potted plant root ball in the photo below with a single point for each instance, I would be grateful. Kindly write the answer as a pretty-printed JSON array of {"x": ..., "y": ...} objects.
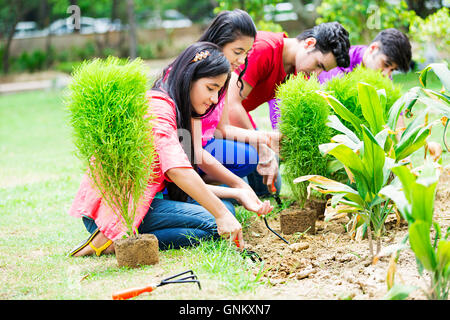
[
  {"x": 113, "y": 139},
  {"x": 303, "y": 124}
]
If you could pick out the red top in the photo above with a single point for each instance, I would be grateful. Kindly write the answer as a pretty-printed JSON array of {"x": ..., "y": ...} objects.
[
  {"x": 265, "y": 70},
  {"x": 170, "y": 154}
]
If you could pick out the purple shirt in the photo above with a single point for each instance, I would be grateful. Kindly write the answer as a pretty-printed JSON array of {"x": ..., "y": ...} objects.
[{"x": 356, "y": 54}]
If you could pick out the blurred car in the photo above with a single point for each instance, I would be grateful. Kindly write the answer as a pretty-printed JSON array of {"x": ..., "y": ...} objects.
[
  {"x": 280, "y": 12},
  {"x": 169, "y": 19},
  {"x": 25, "y": 29},
  {"x": 88, "y": 25}
]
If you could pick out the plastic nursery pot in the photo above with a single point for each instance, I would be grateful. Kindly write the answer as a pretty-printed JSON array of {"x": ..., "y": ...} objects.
[{"x": 136, "y": 251}]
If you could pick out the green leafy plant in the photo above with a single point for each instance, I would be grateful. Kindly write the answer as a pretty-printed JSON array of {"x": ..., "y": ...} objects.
[
  {"x": 111, "y": 131},
  {"x": 303, "y": 119},
  {"x": 345, "y": 89},
  {"x": 303, "y": 122},
  {"x": 414, "y": 197},
  {"x": 368, "y": 154}
]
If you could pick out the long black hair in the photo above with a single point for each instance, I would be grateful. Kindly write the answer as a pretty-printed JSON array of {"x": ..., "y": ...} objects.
[
  {"x": 176, "y": 80},
  {"x": 227, "y": 27}
]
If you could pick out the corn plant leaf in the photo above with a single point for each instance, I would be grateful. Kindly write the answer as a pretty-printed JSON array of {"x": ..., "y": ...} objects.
[
  {"x": 373, "y": 159},
  {"x": 394, "y": 248},
  {"x": 437, "y": 95},
  {"x": 398, "y": 196},
  {"x": 407, "y": 180},
  {"x": 342, "y": 111},
  {"x": 419, "y": 238},
  {"x": 399, "y": 292},
  {"x": 419, "y": 192},
  {"x": 436, "y": 104},
  {"x": 351, "y": 161},
  {"x": 443, "y": 256},
  {"x": 381, "y": 137},
  {"x": 339, "y": 211},
  {"x": 335, "y": 123},
  {"x": 383, "y": 99},
  {"x": 333, "y": 166},
  {"x": 412, "y": 143},
  {"x": 406, "y": 101},
  {"x": 371, "y": 106},
  {"x": 442, "y": 72},
  {"x": 328, "y": 186},
  {"x": 344, "y": 139},
  {"x": 413, "y": 138}
]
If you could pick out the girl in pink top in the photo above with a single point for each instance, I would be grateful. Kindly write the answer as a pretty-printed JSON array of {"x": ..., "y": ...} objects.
[
  {"x": 239, "y": 150},
  {"x": 194, "y": 211}
]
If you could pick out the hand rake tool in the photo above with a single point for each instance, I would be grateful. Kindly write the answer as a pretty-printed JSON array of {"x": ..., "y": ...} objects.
[
  {"x": 248, "y": 253},
  {"x": 134, "y": 292}
]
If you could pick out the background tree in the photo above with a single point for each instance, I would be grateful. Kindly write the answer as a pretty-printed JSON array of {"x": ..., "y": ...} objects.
[
  {"x": 364, "y": 19},
  {"x": 255, "y": 9},
  {"x": 11, "y": 13},
  {"x": 132, "y": 29}
]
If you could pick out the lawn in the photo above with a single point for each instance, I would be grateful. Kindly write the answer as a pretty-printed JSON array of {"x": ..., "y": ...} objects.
[{"x": 38, "y": 180}]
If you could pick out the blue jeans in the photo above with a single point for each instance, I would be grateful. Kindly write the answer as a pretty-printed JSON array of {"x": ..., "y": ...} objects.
[
  {"x": 175, "y": 224},
  {"x": 238, "y": 157}
]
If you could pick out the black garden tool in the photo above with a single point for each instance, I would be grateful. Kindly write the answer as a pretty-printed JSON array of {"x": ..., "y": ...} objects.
[
  {"x": 133, "y": 292},
  {"x": 278, "y": 200},
  {"x": 248, "y": 253},
  {"x": 267, "y": 225}
]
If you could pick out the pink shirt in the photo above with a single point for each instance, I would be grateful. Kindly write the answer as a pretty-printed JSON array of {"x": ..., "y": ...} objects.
[
  {"x": 209, "y": 123},
  {"x": 170, "y": 154}
]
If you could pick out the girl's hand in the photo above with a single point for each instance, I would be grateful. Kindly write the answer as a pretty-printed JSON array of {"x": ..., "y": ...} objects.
[
  {"x": 228, "y": 226},
  {"x": 273, "y": 141},
  {"x": 269, "y": 172},
  {"x": 250, "y": 201}
]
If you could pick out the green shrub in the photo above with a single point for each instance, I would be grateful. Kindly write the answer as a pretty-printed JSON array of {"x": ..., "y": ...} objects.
[
  {"x": 345, "y": 89},
  {"x": 146, "y": 51},
  {"x": 303, "y": 118},
  {"x": 36, "y": 60},
  {"x": 87, "y": 52},
  {"x": 112, "y": 135}
]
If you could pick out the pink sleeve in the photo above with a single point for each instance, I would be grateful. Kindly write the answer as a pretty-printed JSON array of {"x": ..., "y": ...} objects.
[{"x": 168, "y": 147}]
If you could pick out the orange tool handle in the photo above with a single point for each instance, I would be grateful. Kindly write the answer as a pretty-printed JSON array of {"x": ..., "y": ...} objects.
[
  {"x": 273, "y": 187},
  {"x": 236, "y": 241},
  {"x": 131, "y": 292}
]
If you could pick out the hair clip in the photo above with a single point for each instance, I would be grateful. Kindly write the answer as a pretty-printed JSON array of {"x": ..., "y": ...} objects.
[{"x": 200, "y": 56}]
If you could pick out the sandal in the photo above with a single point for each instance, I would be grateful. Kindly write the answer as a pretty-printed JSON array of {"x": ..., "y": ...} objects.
[{"x": 88, "y": 241}]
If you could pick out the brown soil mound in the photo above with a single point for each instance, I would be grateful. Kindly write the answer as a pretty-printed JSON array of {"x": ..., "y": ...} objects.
[{"x": 135, "y": 251}]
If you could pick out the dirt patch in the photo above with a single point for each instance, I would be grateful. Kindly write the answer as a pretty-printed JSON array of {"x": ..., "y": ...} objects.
[
  {"x": 330, "y": 264},
  {"x": 135, "y": 251}
]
